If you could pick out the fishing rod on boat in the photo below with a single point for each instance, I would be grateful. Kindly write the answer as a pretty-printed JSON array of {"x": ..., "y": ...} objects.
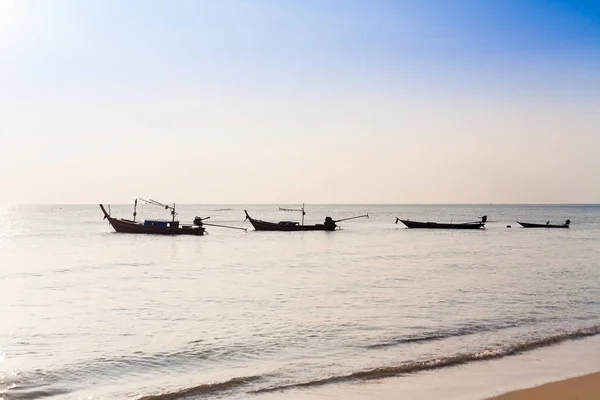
[
  {"x": 346, "y": 219},
  {"x": 156, "y": 203}
]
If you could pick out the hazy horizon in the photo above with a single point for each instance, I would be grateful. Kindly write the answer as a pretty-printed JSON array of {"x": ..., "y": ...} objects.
[
  {"x": 307, "y": 204},
  {"x": 279, "y": 102}
]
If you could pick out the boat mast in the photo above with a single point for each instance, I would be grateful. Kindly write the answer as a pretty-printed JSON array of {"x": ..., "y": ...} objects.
[
  {"x": 303, "y": 213},
  {"x": 134, "y": 209}
]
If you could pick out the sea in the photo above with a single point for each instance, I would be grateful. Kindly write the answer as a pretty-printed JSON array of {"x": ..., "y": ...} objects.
[{"x": 87, "y": 313}]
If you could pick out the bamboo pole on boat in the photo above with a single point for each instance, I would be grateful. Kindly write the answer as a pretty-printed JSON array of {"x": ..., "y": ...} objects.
[
  {"x": 346, "y": 219},
  {"x": 225, "y": 226}
]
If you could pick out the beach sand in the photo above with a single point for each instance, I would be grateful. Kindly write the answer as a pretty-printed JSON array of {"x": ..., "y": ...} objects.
[{"x": 585, "y": 387}]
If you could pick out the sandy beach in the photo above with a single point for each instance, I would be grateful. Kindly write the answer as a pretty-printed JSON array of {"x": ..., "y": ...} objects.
[{"x": 585, "y": 387}]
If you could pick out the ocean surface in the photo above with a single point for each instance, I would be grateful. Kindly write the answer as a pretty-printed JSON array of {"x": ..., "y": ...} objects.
[{"x": 87, "y": 313}]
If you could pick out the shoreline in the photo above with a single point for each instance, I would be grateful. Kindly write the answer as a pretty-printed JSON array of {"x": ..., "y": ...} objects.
[
  {"x": 523, "y": 375},
  {"x": 586, "y": 387}
]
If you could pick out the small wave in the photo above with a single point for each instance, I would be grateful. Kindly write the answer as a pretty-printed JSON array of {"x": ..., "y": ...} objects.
[
  {"x": 203, "y": 389},
  {"x": 437, "y": 363},
  {"x": 26, "y": 392},
  {"x": 449, "y": 333},
  {"x": 137, "y": 363}
]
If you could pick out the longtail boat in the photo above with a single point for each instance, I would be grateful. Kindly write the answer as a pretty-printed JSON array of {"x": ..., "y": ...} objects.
[
  {"x": 437, "y": 225},
  {"x": 546, "y": 225},
  {"x": 158, "y": 226},
  {"x": 292, "y": 226}
]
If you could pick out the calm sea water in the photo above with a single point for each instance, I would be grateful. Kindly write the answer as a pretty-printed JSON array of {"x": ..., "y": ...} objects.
[{"x": 89, "y": 313}]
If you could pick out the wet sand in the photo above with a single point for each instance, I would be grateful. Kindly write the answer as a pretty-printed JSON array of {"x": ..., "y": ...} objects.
[{"x": 585, "y": 387}]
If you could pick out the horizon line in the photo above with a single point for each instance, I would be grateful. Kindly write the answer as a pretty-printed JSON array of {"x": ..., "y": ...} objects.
[{"x": 317, "y": 204}]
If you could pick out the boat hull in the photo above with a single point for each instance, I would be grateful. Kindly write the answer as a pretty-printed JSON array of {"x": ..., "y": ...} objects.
[
  {"x": 273, "y": 226},
  {"x": 530, "y": 225},
  {"x": 436, "y": 225},
  {"x": 126, "y": 226}
]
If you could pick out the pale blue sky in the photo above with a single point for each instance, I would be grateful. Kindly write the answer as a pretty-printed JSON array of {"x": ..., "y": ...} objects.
[{"x": 261, "y": 101}]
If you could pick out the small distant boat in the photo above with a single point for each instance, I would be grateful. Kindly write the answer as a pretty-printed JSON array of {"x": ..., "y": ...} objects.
[
  {"x": 292, "y": 226},
  {"x": 546, "y": 225},
  {"x": 437, "y": 225},
  {"x": 158, "y": 226}
]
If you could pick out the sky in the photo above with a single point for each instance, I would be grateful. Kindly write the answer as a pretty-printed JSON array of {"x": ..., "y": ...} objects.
[{"x": 315, "y": 101}]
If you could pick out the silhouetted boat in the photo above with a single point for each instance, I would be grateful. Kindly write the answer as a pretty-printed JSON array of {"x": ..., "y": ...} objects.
[
  {"x": 292, "y": 226},
  {"x": 546, "y": 225},
  {"x": 153, "y": 226},
  {"x": 437, "y": 225},
  {"x": 158, "y": 226}
]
